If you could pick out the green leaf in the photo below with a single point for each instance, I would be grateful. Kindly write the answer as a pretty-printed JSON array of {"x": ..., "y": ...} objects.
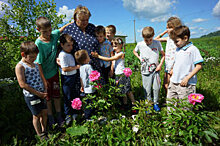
[{"x": 73, "y": 131}]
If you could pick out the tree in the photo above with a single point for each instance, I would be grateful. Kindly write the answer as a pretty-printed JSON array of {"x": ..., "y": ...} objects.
[{"x": 18, "y": 24}]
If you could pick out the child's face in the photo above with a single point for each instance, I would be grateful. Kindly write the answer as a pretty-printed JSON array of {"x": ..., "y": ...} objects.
[
  {"x": 109, "y": 34},
  {"x": 169, "y": 29},
  {"x": 181, "y": 42},
  {"x": 116, "y": 46},
  {"x": 100, "y": 37},
  {"x": 30, "y": 58},
  {"x": 148, "y": 41},
  {"x": 45, "y": 32},
  {"x": 67, "y": 47}
]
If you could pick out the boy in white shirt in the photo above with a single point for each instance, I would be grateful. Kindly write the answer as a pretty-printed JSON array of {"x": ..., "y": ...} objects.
[
  {"x": 149, "y": 57},
  {"x": 188, "y": 62}
]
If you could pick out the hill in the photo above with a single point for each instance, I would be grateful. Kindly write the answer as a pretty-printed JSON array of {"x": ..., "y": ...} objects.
[{"x": 216, "y": 33}]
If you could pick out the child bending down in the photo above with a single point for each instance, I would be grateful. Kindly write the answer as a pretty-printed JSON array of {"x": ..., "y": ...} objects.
[
  {"x": 120, "y": 78},
  {"x": 34, "y": 89}
]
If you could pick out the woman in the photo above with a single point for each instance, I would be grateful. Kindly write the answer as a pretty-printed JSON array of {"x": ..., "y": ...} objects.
[{"x": 83, "y": 33}]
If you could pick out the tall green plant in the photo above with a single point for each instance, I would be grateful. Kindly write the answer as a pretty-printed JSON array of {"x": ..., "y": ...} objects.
[{"x": 18, "y": 24}]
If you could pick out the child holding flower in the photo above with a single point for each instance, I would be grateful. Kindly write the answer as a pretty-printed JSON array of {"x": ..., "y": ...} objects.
[
  {"x": 83, "y": 59},
  {"x": 121, "y": 78}
]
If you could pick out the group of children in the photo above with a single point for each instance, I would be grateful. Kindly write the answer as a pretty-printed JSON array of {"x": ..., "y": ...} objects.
[{"x": 37, "y": 72}]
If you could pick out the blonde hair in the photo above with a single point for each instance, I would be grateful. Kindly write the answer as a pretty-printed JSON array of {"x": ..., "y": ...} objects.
[
  {"x": 43, "y": 22},
  {"x": 81, "y": 56},
  {"x": 81, "y": 10},
  {"x": 112, "y": 28},
  {"x": 147, "y": 32},
  {"x": 173, "y": 22}
]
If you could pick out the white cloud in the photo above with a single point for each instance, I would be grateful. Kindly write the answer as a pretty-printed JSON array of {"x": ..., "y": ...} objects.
[
  {"x": 148, "y": 8},
  {"x": 193, "y": 33},
  {"x": 216, "y": 10},
  {"x": 218, "y": 28},
  {"x": 197, "y": 20},
  {"x": 161, "y": 18},
  {"x": 193, "y": 27},
  {"x": 65, "y": 11}
]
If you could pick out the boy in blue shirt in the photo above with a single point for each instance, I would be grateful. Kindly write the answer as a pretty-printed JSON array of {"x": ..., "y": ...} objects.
[
  {"x": 188, "y": 62},
  {"x": 46, "y": 58}
]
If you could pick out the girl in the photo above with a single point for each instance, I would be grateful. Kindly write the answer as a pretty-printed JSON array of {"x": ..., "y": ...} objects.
[
  {"x": 68, "y": 74},
  {"x": 172, "y": 23},
  {"x": 120, "y": 78}
]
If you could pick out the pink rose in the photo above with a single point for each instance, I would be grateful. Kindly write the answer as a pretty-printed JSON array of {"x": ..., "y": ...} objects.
[
  {"x": 194, "y": 97},
  {"x": 98, "y": 86},
  {"x": 94, "y": 76},
  {"x": 76, "y": 104},
  {"x": 127, "y": 72}
]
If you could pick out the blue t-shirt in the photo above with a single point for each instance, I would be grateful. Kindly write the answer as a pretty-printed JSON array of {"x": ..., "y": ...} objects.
[{"x": 105, "y": 50}]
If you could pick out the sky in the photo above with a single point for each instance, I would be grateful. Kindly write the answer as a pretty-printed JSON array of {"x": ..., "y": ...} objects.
[{"x": 201, "y": 16}]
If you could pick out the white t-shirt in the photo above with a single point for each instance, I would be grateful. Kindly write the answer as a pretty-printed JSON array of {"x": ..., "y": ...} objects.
[
  {"x": 169, "y": 54},
  {"x": 185, "y": 60},
  {"x": 149, "y": 55},
  {"x": 66, "y": 60},
  {"x": 85, "y": 70},
  {"x": 119, "y": 64}
]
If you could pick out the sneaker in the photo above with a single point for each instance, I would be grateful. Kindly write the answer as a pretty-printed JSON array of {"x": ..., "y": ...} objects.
[
  {"x": 68, "y": 119},
  {"x": 156, "y": 108},
  {"x": 134, "y": 111},
  {"x": 74, "y": 116}
]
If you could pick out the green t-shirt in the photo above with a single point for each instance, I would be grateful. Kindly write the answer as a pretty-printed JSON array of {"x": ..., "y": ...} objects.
[{"x": 47, "y": 54}]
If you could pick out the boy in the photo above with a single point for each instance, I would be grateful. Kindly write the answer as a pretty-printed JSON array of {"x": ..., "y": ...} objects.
[
  {"x": 83, "y": 59},
  {"x": 110, "y": 34},
  {"x": 105, "y": 50},
  {"x": 188, "y": 62},
  {"x": 34, "y": 89},
  {"x": 150, "y": 66},
  {"x": 47, "y": 45}
]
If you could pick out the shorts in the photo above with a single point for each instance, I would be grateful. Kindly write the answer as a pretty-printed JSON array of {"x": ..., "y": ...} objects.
[
  {"x": 124, "y": 83},
  {"x": 54, "y": 87},
  {"x": 35, "y": 104}
]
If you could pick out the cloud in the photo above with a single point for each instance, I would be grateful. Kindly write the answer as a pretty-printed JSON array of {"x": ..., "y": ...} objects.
[
  {"x": 197, "y": 20},
  {"x": 193, "y": 33},
  {"x": 148, "y": 8},
  {"x": 65, "y": 11},
  {"x": 193, "y": 27},
  {"x": 216, "y": 10},
  {"x": 161, "y": 18},
  {"x": 218, "y": 28}
]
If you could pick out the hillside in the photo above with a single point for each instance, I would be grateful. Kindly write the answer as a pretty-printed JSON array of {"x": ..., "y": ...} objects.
[{"x": 216, "y": 33}]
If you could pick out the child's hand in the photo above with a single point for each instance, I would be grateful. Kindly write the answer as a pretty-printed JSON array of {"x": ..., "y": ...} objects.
[
  {"x": 81, "y": 89},
  {"x": 58, "y": 61},
  {"x": 42, "y": 95},
  {"x": 94, "y": 54},
  {"x": 171, "y": 72},
  {"x": 77, "y": 66},
  {"x": 184, "y": 82}
]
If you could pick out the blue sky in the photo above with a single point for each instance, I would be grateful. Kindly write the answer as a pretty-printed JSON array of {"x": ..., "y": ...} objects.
[{"x": 201, "y": 16}]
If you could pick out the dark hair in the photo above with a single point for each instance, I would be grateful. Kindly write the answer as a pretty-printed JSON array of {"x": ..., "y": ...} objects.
[
  {"x": 112, "y": 28},
  {"x": 81, "y": 56},
  {"x": 28, "y": 47},
  {"x": 43, "y": 22},
  {"x": 66, "y": 38},
  {"x": 119, "y": 41},
  {"x": 148, "y": 32},
  {"x": 180, "y": 32},
  {"x": 100, "y": 29}
]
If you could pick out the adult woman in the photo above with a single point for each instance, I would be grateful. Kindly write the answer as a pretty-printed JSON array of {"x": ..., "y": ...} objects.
[{"x": 83, "y": 33}]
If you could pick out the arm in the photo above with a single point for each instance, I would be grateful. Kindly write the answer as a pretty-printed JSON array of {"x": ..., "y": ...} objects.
[
  {"x": 116, "y": 57},
  {"x": 136, "y": 54},
  {"x": 159, "y": 37},
  {"x": 63, "y": 27},
  {"x": 191, "y": 74},
  {"x": 43, "y": 78},
  {"x": 70, "y": 68},
  {"x": 19, "y": 71},
  {"x": 161, "y": 61},
  {"x": 82, "y": 86}
]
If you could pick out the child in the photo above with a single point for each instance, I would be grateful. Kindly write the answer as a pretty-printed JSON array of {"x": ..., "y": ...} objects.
[
  {"x": 68, "y": 74},
  {"x": 172, "y": 23},
  {"x": 105, "y": 50},
  {"x": 110, "y": 35},
  {"x": 47, "y": 45},
  {"x": 120, "y": 78},
  {"x": 34, "y": 89},
  {"x": 187, "y": 63},
  {"x": 150, "y": 66},
  {"x": 83, "y": 59}
]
